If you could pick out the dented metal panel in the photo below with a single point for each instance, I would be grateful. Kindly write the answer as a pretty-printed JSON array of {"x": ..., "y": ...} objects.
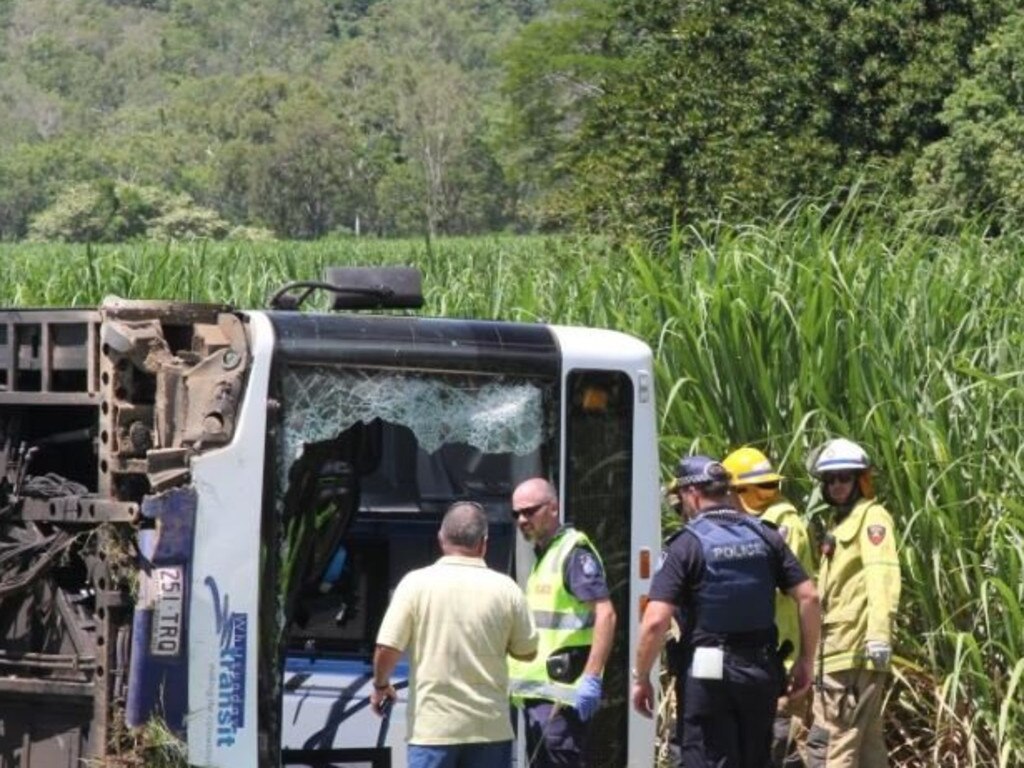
[{"x": 162, "y": 401}]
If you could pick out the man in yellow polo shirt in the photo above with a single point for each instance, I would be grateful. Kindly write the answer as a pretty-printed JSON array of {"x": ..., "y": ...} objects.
[{"x": 459, "y": 621}]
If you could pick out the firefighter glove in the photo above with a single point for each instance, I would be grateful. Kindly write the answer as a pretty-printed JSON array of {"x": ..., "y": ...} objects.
[
  {"x": 878, "y": 652},
  {"x": 588, "y": 696}
]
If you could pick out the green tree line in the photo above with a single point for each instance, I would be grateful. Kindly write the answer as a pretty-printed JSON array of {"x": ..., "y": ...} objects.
[{"x": 308, "y": 118}]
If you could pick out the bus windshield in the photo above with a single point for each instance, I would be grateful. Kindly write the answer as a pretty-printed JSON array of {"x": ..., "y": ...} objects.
[{"x": 367, "y": 461}]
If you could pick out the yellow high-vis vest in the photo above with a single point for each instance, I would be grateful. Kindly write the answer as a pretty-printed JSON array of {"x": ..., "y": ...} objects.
[
  {"x": 793, "y": 529},
  {"x": 562, "y": 622}
]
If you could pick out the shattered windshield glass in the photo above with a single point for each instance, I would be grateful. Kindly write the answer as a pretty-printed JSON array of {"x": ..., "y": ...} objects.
[
  {"x": 389, "y": 442},
  {"x": 492, "y": 415}
]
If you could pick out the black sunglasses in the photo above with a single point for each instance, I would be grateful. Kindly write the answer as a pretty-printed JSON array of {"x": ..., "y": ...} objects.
[
  {"x": 839, "y": 477},
  {"x": 528, "y": 512}
]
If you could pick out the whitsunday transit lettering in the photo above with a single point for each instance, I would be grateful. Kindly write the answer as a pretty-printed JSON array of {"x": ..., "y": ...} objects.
[{"x": 233, "y": 628}]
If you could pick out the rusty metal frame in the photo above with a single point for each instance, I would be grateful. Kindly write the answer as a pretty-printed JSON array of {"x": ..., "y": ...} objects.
[{"x": 163, "y": 381}]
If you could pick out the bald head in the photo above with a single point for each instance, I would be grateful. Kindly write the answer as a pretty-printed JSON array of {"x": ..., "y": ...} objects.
[
  {"x": 535, "y": 489},
  {"x": 535, "y": 506},
  {"x": 463, "y": 529}
]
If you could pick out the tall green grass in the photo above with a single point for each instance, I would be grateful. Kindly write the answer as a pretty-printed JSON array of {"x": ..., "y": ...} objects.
[
  {"x": 524, "y": 277},
  {"x": 781, "y": 334}
]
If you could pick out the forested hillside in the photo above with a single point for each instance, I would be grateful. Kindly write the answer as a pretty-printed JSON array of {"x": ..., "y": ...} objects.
[{"x": 303, "y": 118}]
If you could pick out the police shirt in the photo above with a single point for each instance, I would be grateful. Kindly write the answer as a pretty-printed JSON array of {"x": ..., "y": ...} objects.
[
  {"x": 584, "y": 575},
  {"x": 681, "y": 573}
]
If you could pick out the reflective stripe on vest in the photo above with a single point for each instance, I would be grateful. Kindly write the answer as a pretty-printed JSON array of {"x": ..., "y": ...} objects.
[
  {"x": 550, "y": 620},
  {"x": 562, "y": 622},
  {"x": 737, "y": 594}
]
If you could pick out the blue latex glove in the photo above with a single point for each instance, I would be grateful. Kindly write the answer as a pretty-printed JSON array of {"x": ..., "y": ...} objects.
[{"x": 588, "y": 696}]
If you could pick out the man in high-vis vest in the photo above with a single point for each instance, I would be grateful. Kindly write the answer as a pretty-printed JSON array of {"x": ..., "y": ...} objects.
[
  {"x": 721, "y": 574},
  {"x": 757, "y": 485},
  {"x": 567, "y": 592},
  {"x": 859, "y": 582}
]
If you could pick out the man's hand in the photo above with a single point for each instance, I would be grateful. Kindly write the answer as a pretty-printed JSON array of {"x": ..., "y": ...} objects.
[
  {"x": 878, "y": 652},
  {"x": 379, "y": 696},
  {"x": 385, "y": 658},
  {"x": 643, "y": 697},
  {"x": 588, "y": 696},
  {"x": 798, "y": 707},
  {"x": 800, "y": 678}
]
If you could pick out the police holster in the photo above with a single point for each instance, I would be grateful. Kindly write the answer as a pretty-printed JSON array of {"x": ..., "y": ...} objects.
[{"x": 566, "y": 664}]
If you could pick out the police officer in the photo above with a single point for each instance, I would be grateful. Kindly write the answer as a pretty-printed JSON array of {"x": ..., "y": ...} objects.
[
  {"x": 568, "y": 595},
  {"x": 757, "y": 485},
  {"x": 722, "y": 570},
  {"x": 859, "y": 582}
]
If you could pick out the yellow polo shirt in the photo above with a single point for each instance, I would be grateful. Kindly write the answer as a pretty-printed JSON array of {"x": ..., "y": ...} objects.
[{"x": 458, "y": 620}]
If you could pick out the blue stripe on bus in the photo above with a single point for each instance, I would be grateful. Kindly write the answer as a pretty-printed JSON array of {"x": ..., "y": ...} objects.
[{"x": 334, "y": 666}]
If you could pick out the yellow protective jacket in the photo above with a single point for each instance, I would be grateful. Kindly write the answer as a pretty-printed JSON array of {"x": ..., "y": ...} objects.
[
  {"x": 562, "y": 620},
  {"x": 859, "y": 586},
  {"x": 793, "y": 529}
]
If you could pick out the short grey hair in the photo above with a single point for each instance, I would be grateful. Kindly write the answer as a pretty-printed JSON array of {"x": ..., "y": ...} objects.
[{"x": 464, "y": 524}]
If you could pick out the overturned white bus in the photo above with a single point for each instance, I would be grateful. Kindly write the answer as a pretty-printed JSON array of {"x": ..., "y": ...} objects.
[{"x": 204, "y": 511}]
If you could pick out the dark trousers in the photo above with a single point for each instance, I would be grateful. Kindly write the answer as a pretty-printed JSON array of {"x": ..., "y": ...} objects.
[
  {"x": 555, "y": 737},
  {"x": 727, "y": 723}
]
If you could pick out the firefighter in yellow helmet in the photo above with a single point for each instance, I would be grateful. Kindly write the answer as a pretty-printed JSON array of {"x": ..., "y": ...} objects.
[
  {"x": 756, "y": 483},
  {"x": 859, "y": 583}
]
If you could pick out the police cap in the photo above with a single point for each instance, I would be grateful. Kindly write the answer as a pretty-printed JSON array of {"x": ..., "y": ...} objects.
[{"x": 700, "y": 470}]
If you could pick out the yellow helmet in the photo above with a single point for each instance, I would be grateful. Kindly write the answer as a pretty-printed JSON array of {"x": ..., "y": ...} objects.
[{"x": 748, "y": 466}]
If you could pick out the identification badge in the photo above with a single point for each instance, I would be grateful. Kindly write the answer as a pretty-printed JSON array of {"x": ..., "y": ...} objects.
[{"x": 707, "y": 663}]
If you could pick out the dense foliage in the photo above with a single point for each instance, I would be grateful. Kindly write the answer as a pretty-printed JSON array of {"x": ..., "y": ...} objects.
[
  {"x": 315, "y": 117},
  {"x": 978, "y": 169},
  {"x": 737, "y": 107},
  {"x": 306, "y": 118},
  {"x": 825, "y": 323}
]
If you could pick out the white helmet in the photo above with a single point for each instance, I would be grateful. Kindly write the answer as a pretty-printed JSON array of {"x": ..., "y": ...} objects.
[{"x": 838, "y": 455}]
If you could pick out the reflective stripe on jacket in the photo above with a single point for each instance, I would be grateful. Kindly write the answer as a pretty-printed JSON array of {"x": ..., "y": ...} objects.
[
  {"x": 793, "y": 530},
  {"x": 859, "y": 586},
  {"x": 562, "y": 622}
]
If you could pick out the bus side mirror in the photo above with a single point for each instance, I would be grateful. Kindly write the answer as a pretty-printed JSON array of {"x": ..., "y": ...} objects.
[{"x": 376, "y": 287}]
